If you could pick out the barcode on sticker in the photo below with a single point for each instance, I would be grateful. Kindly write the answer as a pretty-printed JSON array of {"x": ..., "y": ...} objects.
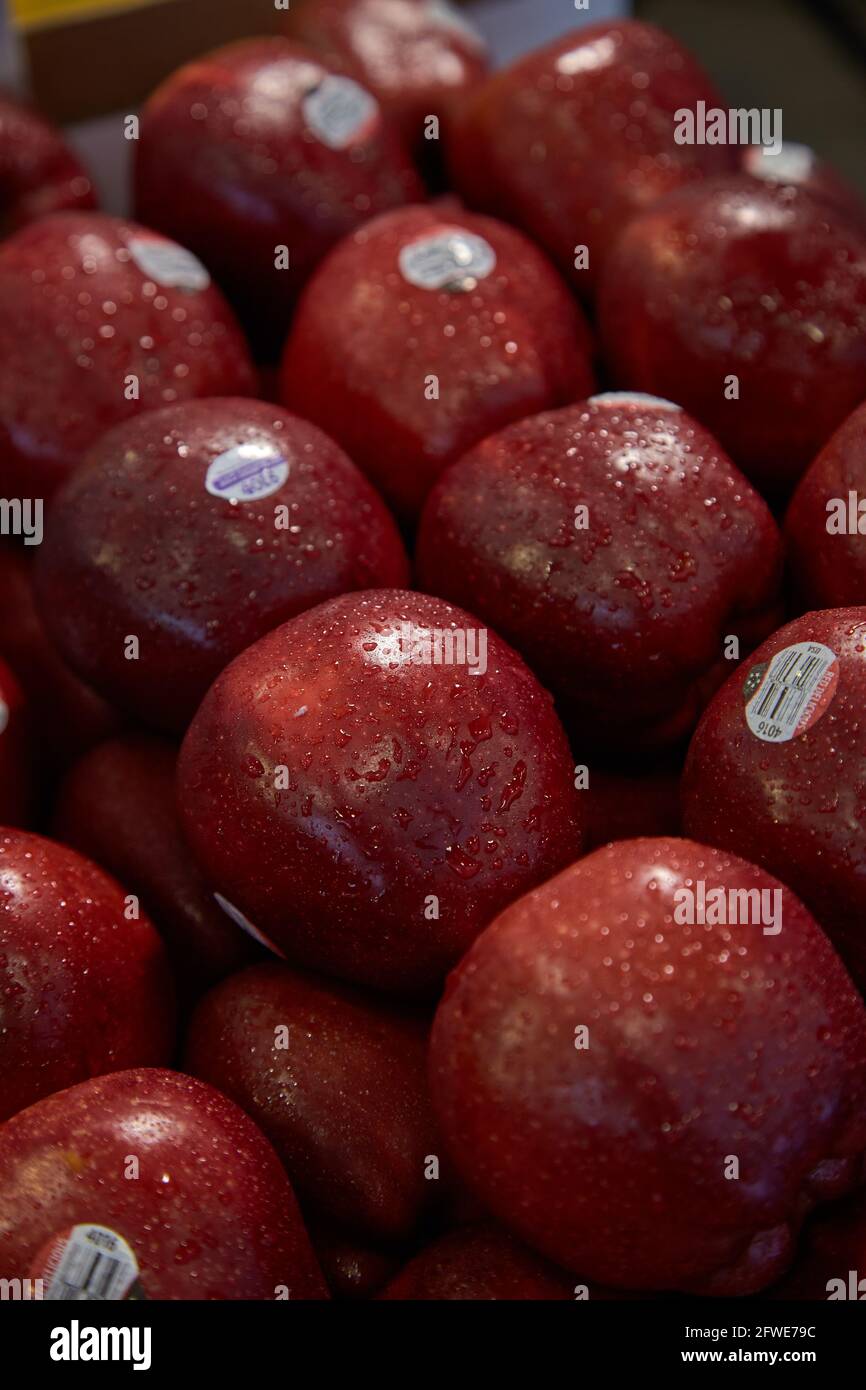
[
  {"x": 448, "y": 259},
  {"x": 247, "y": 473},
  {"x": 339, "y": 112},
  {"x": 796, "y": 689},
  {"x": 93, "y": 1263}
]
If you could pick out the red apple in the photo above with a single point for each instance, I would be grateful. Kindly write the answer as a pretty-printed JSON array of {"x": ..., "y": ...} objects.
[
  {"x": 353, "y": 1268},
  {"x": 617, "y": 547},
  {"x": 775, "y": 769},
  {"x": 370, "y": 811},
  {"x": 262, "y": 145},
  {"x": 420, "y": 57},
  {"x": 172, "y": 1168},
  {"x": 798, "y": 166},
  {"x": 39, "y": 173},
  {"x": 572, "y": 140},
  {"x": 17, "y": 787},
  {"x": 336, "y": 1082},
  {"x": 117, "y": 806},
  {"x": 450, "y": 327},
  {"x": 199, "y": 528},
  {"x": 650, "y": 1102},
  {"x": 101, "y": 319},
  {"x": 84, "y": 986},
  {"x": 68, "y": 716},
  {"x": 826, "y": 523},
  {"x": 746, "y": 302},
  {"x": 475, "y": 1263}
]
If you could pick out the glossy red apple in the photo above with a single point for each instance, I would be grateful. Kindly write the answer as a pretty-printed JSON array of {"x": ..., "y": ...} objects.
[
  {"x": 775, "y": 770},
  {"x": 261, "y": 145},
  {"x": 479, "y": 1262},
  {"x": 337, "y": 1083},
  {"x": 170, "y": 1166},
  {"x": 39, "y": 173},
  {"x": 450, "y": 327},
  {"x": 616, "y": 546},
  {"x": 84, "y": 986},
  {"x": 420, "y": 57},
  {"x": 368, "y": 810},
  {"x": 353, "y": 1268},
  {"x": 746, "y": 303},
  {"x": 798, "y": 166},
  {"x": 101, "y": 319},
  {"x": 66, "y": 714},
  {"x": 17, "y": 780},
  {"x": 197, "y": 529},
  {"x": 653, "y": 1103},
  {"x": 825, "y": 527},
  {"x": 117, "y": 806},
  {"x": 572, "y": 140}
]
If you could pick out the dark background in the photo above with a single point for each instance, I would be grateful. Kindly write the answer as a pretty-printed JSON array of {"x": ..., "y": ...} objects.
[{"x": 806, "y": 56}]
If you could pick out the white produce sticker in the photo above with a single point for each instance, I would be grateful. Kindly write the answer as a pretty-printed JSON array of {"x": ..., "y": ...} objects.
[
  {"x": 247, "y": 473},
  {"x": 90, "y": 1263},
  {"x": 339, "y": 112},
  {"x": 448, "y": 259},
  {"x": 168, "y": 264},
  {"x": 792, "y": 164},
  {"x": 633, "y": 398},
  {"x": 789, "y": 695}
]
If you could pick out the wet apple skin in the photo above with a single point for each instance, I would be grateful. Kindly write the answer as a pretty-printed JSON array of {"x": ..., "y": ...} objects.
[
  {"x": 625, "y": 619},
  {"x": 65, "y": 367},
  {"x": 344, "y": 1102},
  {"x": 829, "y": 570},
  {"x": 417, "y": 67},
  {"x": 234, "y": 191},
  {"x": 738, "y": 278},
  {"x": 411, "y": 790},
  {"x": 84, "y": 989},
  {"x": 117, "y": 806},
  {"x": 17, "y": 767},
  {"x": 136, "y": 544},
  {"x": 70, "y": 717},
  {"x": 478, "y": 1263},
  {"x": 704, "y": 1042},
  {"x": 515, "y": 344},
  {"x": 211, "y": 1214},
  {"x": 797, "y": 807},
  {"x": 544, "y": 144},
  {"x": 39, "y": 172}
]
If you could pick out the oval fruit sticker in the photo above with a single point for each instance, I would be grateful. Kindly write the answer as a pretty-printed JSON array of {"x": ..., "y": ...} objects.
[
  {"x": 170, "y": 265},
  {"x": 792, "y": 693},
  {"x": 448, "y": 259},
  {"x": 246, "y": 473}
]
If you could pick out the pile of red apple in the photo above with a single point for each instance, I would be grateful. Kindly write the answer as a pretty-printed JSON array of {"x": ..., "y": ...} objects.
[{"x": 433, "y": 685}]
